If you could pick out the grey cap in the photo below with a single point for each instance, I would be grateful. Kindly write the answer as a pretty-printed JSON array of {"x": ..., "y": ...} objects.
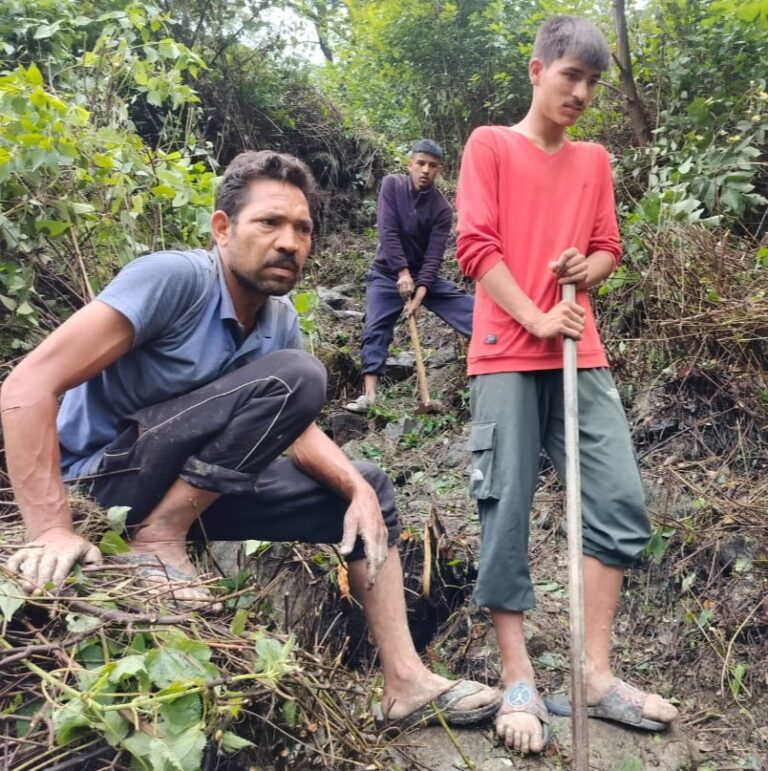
[{"x": 428, "y": 146}]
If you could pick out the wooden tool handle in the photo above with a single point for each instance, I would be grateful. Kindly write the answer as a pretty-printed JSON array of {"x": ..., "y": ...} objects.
[{"x": 421, "y": 373}]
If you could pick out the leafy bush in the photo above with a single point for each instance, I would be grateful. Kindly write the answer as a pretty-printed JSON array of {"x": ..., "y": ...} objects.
[
  {"x": 80, "y": 191},
  {"x": 695, "y": 61}
]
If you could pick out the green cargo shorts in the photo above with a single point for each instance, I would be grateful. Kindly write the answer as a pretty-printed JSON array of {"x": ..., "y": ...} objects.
[{"x": 514, "y": 416}]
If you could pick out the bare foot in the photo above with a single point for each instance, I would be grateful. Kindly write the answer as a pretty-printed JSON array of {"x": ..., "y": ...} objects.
[
  {"x": 521, "y": 722},
  {"x": 658, "y": 708},
  {"x": 173, "y": 553},
  {"x": 166, "y": 569},
  {"x": 654, "y": 707},
  {"x": 410, "y": 695}
]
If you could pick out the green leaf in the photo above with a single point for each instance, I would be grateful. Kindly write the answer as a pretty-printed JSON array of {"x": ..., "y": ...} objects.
[
  {"x": 111, "y": 543},
  {"x": 232, "y": 742},
  {"x": 33, "y": 75},
  {"x": 79, "y": 207},
  {"x": 116, "y": 517},
  {"x": 168, "y": 666},
  {"x": 81, "y": 622},
  {"x": 162, "y": 757},
  {"x": 69, "y": 721},
  {"x": 187, "y": 748},
  {"x": 128, "y": 666},
  {"x": 252, "y": 546},
  {"x": 290, "y": 712},
  {"x": 116, "y": 728},
  {"x": 237, "y": 626},
  {"x": 155, "y": 98},
  {"x": 273, "y": 656},
  {"x": 198, "y": 650},
  {"x": 168, "y": 49},
  {"x": 657, "y": 546},
  {"x": 25, "y": 309},
  {"x": 736, "y": 681},
  {"x": 11, "y": 599},
  {"x": 182, "y": 713},
  {"x": 163, "y": 191},
  {"x": 138, "y": 744},
  {"x": 52, "y": 227},
  {"x": 103, "y": 161},
  {"x": 45, "y": 31},
  {"x": 180, "y": 660}
]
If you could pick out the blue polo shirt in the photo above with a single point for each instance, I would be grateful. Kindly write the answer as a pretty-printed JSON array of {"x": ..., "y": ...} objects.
[{"x": 186, "y": 334}]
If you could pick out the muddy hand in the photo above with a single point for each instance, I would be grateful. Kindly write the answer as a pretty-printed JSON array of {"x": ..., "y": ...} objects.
[
  {"x": 364, "y": 519},
  {"x": 50, "y": 557},
  {"x": 405, "y": 286}
]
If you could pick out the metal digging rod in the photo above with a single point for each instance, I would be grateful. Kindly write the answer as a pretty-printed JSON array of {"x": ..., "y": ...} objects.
[{"x": 575, "y": 576}]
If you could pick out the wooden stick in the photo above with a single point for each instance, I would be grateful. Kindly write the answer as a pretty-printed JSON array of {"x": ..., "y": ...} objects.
[
  {"x": 421, "y": 373},
  {"x": 579, "y": 727}
]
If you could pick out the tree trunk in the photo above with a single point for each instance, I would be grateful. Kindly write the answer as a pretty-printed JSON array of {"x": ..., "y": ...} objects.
[{"x": 641, "y": 124}]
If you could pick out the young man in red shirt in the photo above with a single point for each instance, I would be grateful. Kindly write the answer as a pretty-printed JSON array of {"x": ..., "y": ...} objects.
[{"x": 535, "y": 212}]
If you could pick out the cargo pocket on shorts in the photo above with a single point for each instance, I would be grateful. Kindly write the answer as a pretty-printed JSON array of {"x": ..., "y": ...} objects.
[{"x": 482, "y": 445}]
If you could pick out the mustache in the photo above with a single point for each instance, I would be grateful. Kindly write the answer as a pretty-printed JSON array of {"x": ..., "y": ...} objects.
[{"x": 284, "y": 260}]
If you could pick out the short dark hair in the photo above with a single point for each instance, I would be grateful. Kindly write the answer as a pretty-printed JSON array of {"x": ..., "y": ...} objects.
[
  {"x": 561, "y": 35},
  {"x": 428, "y": 146},
  {"x": 232, "y": 191}
]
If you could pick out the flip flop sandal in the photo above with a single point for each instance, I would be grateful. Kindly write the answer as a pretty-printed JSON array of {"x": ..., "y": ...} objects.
[
  {"x": 523, "y": 697},
  {"x": 162, "y": 578},
  {"x": 622, "y": 703},
  {"x": 445, "y": 705}
]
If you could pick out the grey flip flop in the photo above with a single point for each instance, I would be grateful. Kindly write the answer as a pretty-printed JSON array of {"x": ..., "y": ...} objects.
[
  {"x": 158, "y": 575},
  {"x": 622, "y": 703},
  {"x": 445, "y": 705}
]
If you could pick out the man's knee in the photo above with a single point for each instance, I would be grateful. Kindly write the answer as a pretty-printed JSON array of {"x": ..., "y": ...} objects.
[{"x": 304, "y": 376}]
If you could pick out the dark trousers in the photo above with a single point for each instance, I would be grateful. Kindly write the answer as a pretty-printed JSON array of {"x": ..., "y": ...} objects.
[
  {"x": 383, "y": 305},
  {"x": 227, "y": 437}
]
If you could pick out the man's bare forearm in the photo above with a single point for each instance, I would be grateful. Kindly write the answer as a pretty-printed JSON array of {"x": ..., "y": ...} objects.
[
  {"x": 600, "y": 265},
  {"x": 319, "y": 457},
  {"x": 504, "y": 290},
  {"x": 32, "y": 457}
]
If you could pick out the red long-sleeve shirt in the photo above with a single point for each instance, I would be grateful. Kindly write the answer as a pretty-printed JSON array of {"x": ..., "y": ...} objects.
[{"x": 523, "y": 206}]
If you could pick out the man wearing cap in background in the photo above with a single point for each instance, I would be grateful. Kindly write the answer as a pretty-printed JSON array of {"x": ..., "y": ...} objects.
[{"x": 413, "y": 220}]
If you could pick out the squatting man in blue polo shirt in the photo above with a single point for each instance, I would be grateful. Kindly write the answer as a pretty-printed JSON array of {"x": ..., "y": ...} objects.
[
  {"x": 413, "y": 220},
  {"x": 184, "y": 383}
]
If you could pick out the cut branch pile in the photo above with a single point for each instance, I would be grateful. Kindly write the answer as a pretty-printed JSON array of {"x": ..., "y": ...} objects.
[{"x": 105, "y": 675}]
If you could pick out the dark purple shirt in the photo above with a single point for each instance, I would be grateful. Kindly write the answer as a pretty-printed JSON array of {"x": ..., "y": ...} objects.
[{"x": 413, "y": 229}]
